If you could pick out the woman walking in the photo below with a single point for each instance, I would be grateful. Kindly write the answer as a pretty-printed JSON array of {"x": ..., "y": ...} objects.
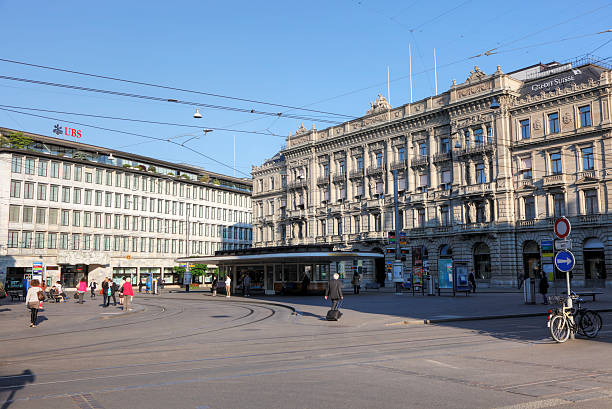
[
  {"x": 228, "y": 285},
  {"x": 128, "y": 293},
  {"x": 82, "y": 289},
  {"x": 33, "y": 300}
]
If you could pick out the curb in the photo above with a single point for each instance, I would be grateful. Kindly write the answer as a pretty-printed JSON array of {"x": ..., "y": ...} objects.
[
  {"x": 222, "y": 299},
  {"x": 495, "y": 317}
]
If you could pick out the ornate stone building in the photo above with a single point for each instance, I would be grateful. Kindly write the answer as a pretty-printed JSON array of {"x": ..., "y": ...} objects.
[{"x": 483, "y": 170}]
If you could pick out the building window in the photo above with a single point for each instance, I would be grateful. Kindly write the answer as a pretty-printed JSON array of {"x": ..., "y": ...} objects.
[
  {"x": 54, "y": 193},
  {"x": 53, "y": 216},
  {"x": 15, "y": 188},
  {"x": 342, "y": 167},
  {"x": 65, "y": 194},
  {"x": 421, "y": 217},
  {"x": 359, "y": 160},
  {"x": 444, "y": 145},
  {"x": 88, "y": 177},
  {"x": 65, "y": 218},
  {"x": 423, "y": 149},
  {"x": 41, "y": 191},
  {"x": 28, "y": 190},
  {"x": 29, "y": 166},
  {"x": 444, "y": 216},
  {"x": 480, "y": 173},
  {"x": 590, "y": 201},
  {"x": 55, "y": 170},
  {"x": 526, "y": 168},
  {"x": 553, "y": 122},
  {"x": 555, "y": 163},
  {"x": 339, "y": 225},
  {"x": 16, "y": 164},
  {"x": 478, "y": 137},
  {"x": 39, "y": 240},
  {"x": 357, "y": 223},
  {"x": 401, "y": 153},
  {"x": 13, "y": 239},
  {"x": 559, "y": 204},
  {"x": 63, "y": 241},
  {"x": 42, "y": 168},
  {"x": 14, "y": 213},
  {"x": 28, "y": 214},
  {"x": 423, "y": 181},
  {"x": 587, "y": 159},
  {"x": 26, "y": 239},
  {"x": 585, "y": 116},
  {"x": 52, "y": 240},
  {"x": 529, "y": 207},
  {"x": 76, "y": 218},
  {"x": 41, "y": 215},
  {"x": 446, "y": 180},
  {"x": 76, "y": 239},
  {"x": 77, "y": 196},
  {"x": 66, "y": 171},
  {"x": 377, "y": 222},
  {"x": 379, "y": 159},
  {"x": 525, "y": 129}
]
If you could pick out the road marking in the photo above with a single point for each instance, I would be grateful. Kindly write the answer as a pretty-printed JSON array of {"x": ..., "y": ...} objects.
[
  {"x": 441, "y": 364},
  {"x": 548, "y": 403}
]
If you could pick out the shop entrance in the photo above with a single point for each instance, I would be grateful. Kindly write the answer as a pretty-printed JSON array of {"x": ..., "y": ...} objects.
[
  {"x": 71, "y": 274},
  {"x": 14, "y": 277}
]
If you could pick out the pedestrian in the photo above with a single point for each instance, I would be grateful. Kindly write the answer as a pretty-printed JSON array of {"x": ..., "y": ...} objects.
[
  {"x": 356, "y": 281},
  {"x": 544, "y": 287},
  {"x": 105, "y": 292},
  {"x": 140, "y": 286},
  {"x": 334, "y": 291},
  {"x": 128, "y": 293},
  {"x": 92, "y": 286},
  {"x": 121, "y": 291},
  {"x": 82, "y": 289},
  {"x": 246, "y": 285},
  {"x": 60, "y": 291},
  {"x": 160, "y": 285},
  {"x": 305, "y": 284},
  {"x": 113, "y": 290},
  {"x": 213, "y": 286},
  {"x": 149, "y": 284},
  {"x": 34, "y": 298},
  {"x": 472, "y": 280},
  {"x": 228, "y": 285}
]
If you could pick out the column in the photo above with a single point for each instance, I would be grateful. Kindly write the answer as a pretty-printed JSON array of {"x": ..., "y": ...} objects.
[{"x": 433, "y": 174}]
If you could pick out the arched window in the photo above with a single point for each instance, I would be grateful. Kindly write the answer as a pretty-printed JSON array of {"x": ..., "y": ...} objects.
[{"x": 446, "y": 251}]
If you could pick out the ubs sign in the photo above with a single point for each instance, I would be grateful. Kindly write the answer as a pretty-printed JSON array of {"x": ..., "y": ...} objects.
[{"x": 59, "y": 130}]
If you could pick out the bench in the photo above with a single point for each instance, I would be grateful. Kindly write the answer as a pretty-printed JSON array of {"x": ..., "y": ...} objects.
[
  {"x": 15, "y": 295},
  {"x": 586, "y": 294}
]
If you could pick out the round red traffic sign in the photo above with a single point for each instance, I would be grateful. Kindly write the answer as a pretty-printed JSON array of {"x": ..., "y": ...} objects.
[{"x": 562, "y": 227}]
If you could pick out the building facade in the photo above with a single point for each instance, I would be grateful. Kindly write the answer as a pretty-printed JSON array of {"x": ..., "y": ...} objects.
[
  {"x": 483, "y": 170},
  {"x": 81, "y": 210}
]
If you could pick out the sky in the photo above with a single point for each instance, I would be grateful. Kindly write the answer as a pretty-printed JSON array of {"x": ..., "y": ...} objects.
[{"x": 325, "y": 56}]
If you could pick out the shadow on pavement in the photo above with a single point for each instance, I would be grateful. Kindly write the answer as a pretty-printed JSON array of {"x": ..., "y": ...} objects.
[{"x": 10, "y": 384}]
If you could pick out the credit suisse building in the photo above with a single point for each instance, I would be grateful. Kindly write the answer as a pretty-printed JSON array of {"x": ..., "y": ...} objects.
[{"x": 484, "y": 169}]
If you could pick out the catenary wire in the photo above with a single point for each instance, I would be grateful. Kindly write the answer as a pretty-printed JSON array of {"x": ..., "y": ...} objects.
[
  {"x": 140, "y": 120},
  {"x": 169, "y": 88},
  {"x": 129, "y": 133},
  {"x": 172, "y": 100}
]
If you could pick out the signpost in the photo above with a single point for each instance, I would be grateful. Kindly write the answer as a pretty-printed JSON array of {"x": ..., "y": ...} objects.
[
  {"x": 564, "y": 259},
  {"x": 563, "y": 244}
]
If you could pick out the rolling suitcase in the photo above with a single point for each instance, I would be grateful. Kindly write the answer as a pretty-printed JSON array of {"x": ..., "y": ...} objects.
[{"x": 334, "y": 315}]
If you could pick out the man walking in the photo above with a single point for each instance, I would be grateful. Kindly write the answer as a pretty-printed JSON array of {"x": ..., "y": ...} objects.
[
  {"x": 334, "y": 291},
  {"x": 92, "y": 286},
  {"x": 246, "y": 285}
]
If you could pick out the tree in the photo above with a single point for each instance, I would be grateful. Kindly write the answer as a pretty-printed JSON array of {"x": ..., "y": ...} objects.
[
  {"x": 198, "y": 270},
  {"x": 18, "y": 141},
  {"x": 180, "y": 271}
]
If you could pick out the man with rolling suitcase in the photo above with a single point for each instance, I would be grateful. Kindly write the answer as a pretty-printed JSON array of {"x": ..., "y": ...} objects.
[{"x": 334, "y": 291}]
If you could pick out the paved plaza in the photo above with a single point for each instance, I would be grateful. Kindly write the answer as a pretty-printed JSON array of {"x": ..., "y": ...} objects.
[{"x": 191, "y": 350}]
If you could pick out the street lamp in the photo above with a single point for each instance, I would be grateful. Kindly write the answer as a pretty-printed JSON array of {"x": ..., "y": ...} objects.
[{"x": 197, "y": 114}]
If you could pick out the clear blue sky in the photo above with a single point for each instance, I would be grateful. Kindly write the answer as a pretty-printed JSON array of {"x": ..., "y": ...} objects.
[{"x": 286, "y": 52}]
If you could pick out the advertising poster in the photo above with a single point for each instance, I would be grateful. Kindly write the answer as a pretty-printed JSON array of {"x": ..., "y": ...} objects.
[
  {"x": 461, "y": 274},
  {"x": 445, "y": 273},
  {"x": 549, "y": 270},
  {"x": 37, "y": 268}
]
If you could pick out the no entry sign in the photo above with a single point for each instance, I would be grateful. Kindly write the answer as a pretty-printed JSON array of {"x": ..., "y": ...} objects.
[{"x": 562, "y": 227}]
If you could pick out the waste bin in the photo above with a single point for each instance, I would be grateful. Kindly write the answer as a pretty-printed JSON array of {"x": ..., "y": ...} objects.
[{"x": 529, "y": 290}]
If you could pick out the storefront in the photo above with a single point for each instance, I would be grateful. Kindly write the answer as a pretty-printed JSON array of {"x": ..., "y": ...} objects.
[
  {"x": 594, "y": 263},
  {"x": 71, "y": 274}
]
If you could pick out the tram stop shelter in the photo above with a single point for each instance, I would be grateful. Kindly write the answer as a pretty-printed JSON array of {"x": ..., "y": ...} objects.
[{"x": 281, "y": 270}]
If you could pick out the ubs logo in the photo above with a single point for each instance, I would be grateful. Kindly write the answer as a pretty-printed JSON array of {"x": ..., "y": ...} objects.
[{"x": 58, "y": 130}]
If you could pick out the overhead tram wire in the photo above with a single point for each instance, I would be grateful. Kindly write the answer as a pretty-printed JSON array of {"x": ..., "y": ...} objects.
[
  {"x": 172, "y": 100},
  {"x": 128, "y": 133},
  {"x": 141, "y": 120},
  {"x": 148, "y": 84}
]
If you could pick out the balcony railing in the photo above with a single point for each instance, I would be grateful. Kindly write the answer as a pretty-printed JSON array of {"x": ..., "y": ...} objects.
[
  {"x": 442, "y": 157},
  {"x": 323, "y": 180},
  {"x": 587, "y": 175},
  {"x": 297, "y": 184},
  {"x": 525, "y": 184},
  {"x": 476, "y": 149},
  {"x": 339, "y": 177},
  {"x": 421, "y": 160},
  {"x": 356, "y": 173},
  {"x": 397, "y": 165},
  {"x": 375, "y": 170},
  {"x": 552, "y": 180}
]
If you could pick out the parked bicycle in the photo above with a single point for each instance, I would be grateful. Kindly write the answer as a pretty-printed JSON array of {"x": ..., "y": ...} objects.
[{"x": 564, "y": 321}]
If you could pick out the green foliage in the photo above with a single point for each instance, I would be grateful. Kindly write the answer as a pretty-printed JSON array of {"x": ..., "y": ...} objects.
[
  {"x": 142, "y": 167},
  {"x": 152, "y": 169},
  {"x": 18, "y": 141},
  {"x": 127, "y": 165},
  {"x": 198, "y": 270},
  {"x": 216, "y": 182},
  {"x": 204, "y": 178}
]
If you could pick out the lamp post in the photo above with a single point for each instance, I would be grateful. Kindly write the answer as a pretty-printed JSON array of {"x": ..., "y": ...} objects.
[{"x": 187, "y": 276}]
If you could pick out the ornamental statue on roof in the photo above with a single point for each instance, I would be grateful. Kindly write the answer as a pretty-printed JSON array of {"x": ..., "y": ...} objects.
[
  {"x": 476, "y": 75},
  {"x": 302, "y": 129},
  {"x": 378, "y": 106}
]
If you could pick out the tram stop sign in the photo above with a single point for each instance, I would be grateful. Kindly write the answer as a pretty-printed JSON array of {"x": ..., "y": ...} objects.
[
  {"x": 562, "y": 227},
  {"x": 564, "y": 260}
]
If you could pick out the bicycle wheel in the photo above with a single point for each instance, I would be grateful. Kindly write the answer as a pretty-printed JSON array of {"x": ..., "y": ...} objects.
[
  {"x": 590, "y": 323},
  {"x": 559, "y": 328}
]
